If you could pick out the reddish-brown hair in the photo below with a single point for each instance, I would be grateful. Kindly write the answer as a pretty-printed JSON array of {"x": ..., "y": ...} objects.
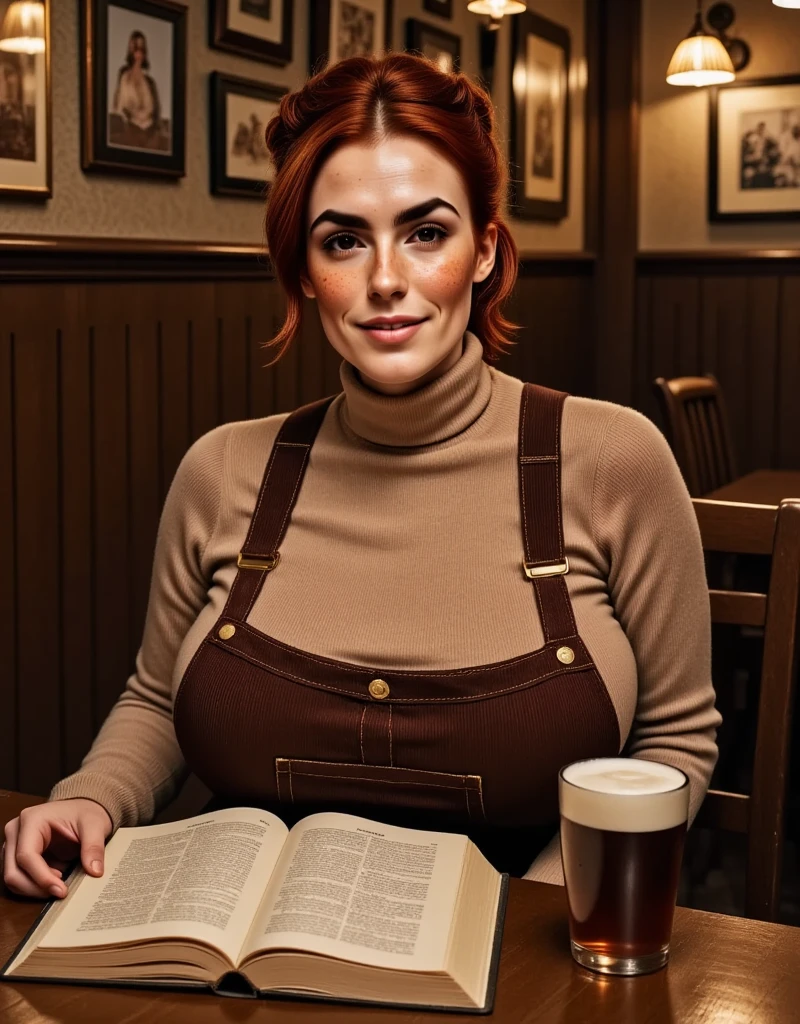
[{"x": 362, "y": 99}]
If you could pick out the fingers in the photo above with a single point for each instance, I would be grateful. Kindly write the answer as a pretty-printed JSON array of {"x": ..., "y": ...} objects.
[
  {"x": 92, "y": 835},
  {"x": 25, "y": 871}
]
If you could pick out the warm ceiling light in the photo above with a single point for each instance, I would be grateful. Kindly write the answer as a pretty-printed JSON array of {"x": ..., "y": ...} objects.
[
  {"x": 23, "y": 27},
  {"x": 700, "y": 59},
  {"x": 786, "y": 3},
  {"x": 496, "y": 8}
]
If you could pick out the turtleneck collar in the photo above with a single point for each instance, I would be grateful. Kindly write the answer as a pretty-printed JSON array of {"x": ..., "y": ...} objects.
[{"x": 435, "y": 412}]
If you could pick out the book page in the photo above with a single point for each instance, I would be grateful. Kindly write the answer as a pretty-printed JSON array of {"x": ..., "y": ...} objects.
[
  {"x": 198, "y": 878},
  {"x": 352, "y": 888}
]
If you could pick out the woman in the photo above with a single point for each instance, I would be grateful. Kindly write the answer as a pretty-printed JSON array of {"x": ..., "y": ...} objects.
[
  {"x": 136, "y": 96},
  {"x": 449, "y": 584}
]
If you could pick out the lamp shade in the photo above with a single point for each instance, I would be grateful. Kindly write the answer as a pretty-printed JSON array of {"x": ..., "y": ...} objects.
[
  {"x": 786, "y": 3},
  {"x": 496, "y": 8},
  {"x": 23, "y": 27},
  {"x": 700, "y": 60}
]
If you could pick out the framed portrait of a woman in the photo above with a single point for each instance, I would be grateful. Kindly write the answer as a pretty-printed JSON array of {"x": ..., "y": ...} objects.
[
  {"x": 25, "y": 106},
  {"x": 258, "y": 29},
  {"x": 134, "y": 87}
]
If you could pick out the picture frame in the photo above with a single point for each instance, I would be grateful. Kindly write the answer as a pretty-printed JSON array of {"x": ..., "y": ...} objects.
[
  {"x": 133, "y": 87},
  {"x": 259, "y": 29},
  {"x": 444, "y": 8},
  {"x": 240, "y": 108},
  {"x": 444, "y": 48},
  {"x": 539, "y": 150},
  {"x": 344, "y": 28},
  {"x": 754, "y": 150},
  {"x": 26, "y": 119}
]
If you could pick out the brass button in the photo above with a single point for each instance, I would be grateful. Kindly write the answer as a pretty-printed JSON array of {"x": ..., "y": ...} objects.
[
  {"x": 565, "y": 655},
  {"x": 226, "y": 631},
  {"x": 379, "y": 689}
]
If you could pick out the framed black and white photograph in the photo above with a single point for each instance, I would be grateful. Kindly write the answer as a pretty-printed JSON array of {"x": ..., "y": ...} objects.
[
  {"x": 443, "y": 48},
  {"x": 259, "y": 29},
  {"x": 134, "y": 87},
  {"x": 754, "y": 150},
  {"x": 240, "y": 161},
  {"x": 25, "y": 104},
  {"x": 444, "y": 8},
  {"x": 539, "y": 142},
  {"x": 347, "y": 28}
]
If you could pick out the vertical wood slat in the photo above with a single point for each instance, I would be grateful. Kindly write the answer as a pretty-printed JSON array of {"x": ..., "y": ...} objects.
[
  {"x": 8, "y": 553},
  {"x": 232, "y": 353},
  {"x": 38, "y": 541},
  {"x": 788, "y": 373},
  {"x": 762, "y": 344},
  {"x": 112, "y": 336},
  {"x": 205, "y": 389},
  {"x": 77, "y": 528}
]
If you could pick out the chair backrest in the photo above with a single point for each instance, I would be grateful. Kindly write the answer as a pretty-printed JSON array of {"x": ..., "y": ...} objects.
[
  {"x": 760, "y": 530},
  {"x": 697, "y": 429}
]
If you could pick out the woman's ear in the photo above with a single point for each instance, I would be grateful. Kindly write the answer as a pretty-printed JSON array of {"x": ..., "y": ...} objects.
[
  {"x": 307, "y": 286},
  {"x": 485, "y": 253}
]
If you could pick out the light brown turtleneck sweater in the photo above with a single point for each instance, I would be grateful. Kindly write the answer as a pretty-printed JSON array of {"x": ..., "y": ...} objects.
[{"x": 399, "y": 495}]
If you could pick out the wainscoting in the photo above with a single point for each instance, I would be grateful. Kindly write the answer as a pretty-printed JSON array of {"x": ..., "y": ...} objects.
[
  {"x": 112, "y": 361},
  {"x": 735, "y": 315}
]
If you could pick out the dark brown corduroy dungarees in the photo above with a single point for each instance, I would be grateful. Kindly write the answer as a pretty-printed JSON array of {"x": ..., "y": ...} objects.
[{"x": 476, "y": 750}]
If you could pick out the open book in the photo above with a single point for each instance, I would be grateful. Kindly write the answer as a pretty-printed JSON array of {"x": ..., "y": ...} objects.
[{"x": 337, "y": 907}]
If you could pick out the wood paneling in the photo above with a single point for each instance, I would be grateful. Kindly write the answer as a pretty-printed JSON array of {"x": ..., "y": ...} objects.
[{"x": 738, "y": 317}]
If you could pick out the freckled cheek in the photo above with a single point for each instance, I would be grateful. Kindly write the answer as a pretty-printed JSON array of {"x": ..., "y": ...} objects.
[
  {"x": 447, "y": 281},
  {"x": 335, "y": 288}
]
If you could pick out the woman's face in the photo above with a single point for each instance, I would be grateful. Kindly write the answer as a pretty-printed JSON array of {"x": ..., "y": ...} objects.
[
  {"x": 139, "y": 50},
  {"x": 390, "y": 234}
]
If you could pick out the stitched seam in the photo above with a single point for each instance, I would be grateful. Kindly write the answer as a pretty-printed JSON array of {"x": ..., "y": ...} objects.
[
  {"x": 522, "y": 475},
  {"x": 600, "y": 460},
  {"x": 379, "y": 767},
  {"x": 538, "y": 458},
  {"x": 294, "y": 493},
  {"x": 291, "y": 788},
  {"x": 292, "y": 444},
  {"x": 480, "y": 796},
  {"x": 380, "y": 782},
  {"x": 391, "y": 763},
  {"x": 562, "y": 670},
  {"x": 264, "y": 485},
  {"x": 363, "y": 759},
  {"x": 466, "y": 798},
  {"x": 398, "y": 674},
  {"x": 558, "y": 483}
]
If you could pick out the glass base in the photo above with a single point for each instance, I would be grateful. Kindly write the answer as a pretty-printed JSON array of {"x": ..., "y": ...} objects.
[{"x": 606, "y": 964}]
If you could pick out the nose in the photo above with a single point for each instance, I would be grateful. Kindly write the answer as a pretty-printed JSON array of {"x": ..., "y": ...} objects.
[{"x": 387, "y": 277}]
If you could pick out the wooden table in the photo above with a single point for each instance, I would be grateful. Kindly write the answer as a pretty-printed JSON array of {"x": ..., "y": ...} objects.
[
  {"x": 725, "y": 970},
  {"x": 764, "y": 487}
]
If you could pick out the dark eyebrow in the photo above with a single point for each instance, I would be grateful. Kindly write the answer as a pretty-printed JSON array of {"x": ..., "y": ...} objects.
[{"x": 349, "y": 220}]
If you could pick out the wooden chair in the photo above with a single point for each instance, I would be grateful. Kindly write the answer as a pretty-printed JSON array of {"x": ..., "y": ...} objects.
[
  {"x": 697, "y": 429},
  {"x": 761, "y": 530}
]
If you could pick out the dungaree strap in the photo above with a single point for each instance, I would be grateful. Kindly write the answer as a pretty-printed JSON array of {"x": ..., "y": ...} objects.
[
  {"x": 545, "y": 561},
  {"x": 279, "y": 489}
]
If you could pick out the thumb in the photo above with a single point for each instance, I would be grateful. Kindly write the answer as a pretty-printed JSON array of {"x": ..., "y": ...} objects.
[{"x": 92, "y": 847}]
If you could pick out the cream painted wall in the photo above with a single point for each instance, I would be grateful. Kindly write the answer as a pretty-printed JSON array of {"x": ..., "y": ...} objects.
[
  {"x": 108, "y": 206},
  {"x": 673, "y": 169}
]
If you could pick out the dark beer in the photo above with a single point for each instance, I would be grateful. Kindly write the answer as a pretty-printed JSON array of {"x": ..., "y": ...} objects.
[{"x": 623, "y": 823}]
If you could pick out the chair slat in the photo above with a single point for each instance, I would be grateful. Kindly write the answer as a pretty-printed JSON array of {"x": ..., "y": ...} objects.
[
  {"x": 727, "y": 811},
  {"x": 734, "y": 608}
]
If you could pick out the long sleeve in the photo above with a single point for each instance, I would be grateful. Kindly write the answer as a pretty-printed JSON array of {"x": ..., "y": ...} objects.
[
  {"x": 135, "y": 765},
  {"x": 644, "y": 525}
]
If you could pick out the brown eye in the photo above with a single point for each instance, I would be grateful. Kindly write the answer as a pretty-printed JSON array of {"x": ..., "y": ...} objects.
[{"x": 340, "y": 243}]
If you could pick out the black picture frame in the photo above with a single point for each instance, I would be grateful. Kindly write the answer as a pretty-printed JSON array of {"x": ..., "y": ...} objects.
[
  {"x": 319, "y": 30},
  {"x": 224, "y": 183},
  {"x": 444, "y": 8},
  {"x": 22, "y": 176},
  {"x": 422, "y": 38},
  {"x": 223, "y": 35},
  {"x": 147, "y": 152},
  {"x": 726, "y": 179},
  {"x": 524, "y": 205}
]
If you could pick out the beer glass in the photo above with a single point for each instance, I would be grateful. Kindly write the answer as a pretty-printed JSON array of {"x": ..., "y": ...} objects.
[{"x": 623, "y": 822}]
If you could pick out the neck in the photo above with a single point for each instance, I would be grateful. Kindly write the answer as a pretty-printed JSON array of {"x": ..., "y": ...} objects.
[{"x": 434, "y": 412}]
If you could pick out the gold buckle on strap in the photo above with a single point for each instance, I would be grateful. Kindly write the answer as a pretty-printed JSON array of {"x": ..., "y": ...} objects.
[
  {"x": 537, "y": 572},
  {"x": 266, "y": 564}
]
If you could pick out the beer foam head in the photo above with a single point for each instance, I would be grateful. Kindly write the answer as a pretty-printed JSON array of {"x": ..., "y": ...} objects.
[{"x": 623, "y": 794}]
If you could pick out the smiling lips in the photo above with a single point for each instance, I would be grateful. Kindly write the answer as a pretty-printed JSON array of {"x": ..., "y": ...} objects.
[{"x": 392, "y": 328}]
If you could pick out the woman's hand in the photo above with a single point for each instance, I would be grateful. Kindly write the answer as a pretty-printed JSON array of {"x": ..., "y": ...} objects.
[{"x": 42, "y": 841}]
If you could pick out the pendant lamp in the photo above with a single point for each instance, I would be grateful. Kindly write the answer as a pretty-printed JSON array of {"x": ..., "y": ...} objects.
[
  {"x": 496, "y": 8},
  {"x": 786, "y": 3},
  {"x": 700, "y": 59},
  {"x": 22, "y": 30}
]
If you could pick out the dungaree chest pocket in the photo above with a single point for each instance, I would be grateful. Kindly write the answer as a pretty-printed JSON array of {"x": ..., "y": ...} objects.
[{"x": 370, "y": 789}]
